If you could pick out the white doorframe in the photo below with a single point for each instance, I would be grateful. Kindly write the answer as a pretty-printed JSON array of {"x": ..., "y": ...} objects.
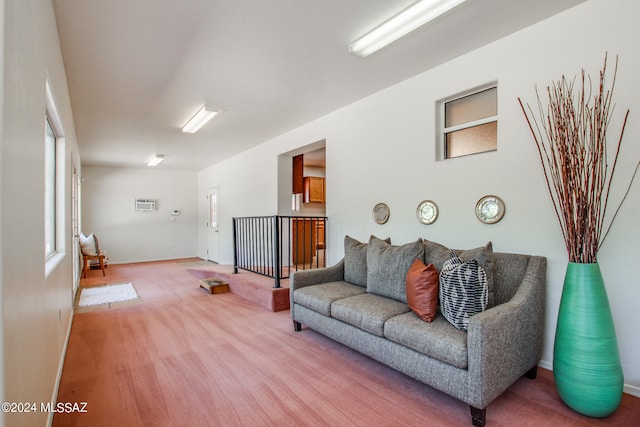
[{"x": 75, "y": 225}]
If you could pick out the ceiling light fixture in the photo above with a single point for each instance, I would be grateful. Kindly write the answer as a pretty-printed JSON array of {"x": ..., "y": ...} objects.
[
  {"x": 400, "y": 25},
  {"x": 200, "y": 119},
  {"x": 155, "y": 160}
]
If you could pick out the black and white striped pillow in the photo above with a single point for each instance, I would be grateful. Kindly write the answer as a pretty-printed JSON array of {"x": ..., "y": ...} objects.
[{"x": 463, "y": 290}]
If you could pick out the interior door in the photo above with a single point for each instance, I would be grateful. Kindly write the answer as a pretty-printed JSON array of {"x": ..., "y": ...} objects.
[{"x": 213, "y": 231}]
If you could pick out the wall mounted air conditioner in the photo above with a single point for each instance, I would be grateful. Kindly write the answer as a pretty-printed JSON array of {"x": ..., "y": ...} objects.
[{"x": 146, "y": 205}]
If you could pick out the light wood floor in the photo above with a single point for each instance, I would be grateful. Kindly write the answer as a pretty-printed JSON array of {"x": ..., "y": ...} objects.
[{"x": 183, "y": 357}]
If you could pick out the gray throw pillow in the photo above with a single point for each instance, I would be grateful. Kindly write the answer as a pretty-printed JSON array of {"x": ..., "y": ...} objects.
[
  {"x": 387, "y": 267},
  {"x": 355, "y": 260},
  {"x": 463, "y": 290},
  {"x": 437, "y": 254}
]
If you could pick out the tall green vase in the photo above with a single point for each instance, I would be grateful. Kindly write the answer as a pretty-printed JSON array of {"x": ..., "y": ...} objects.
[{"x": 586, "y": 362}]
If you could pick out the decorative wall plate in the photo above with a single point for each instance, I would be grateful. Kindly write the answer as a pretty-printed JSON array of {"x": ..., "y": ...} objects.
[
  {"x": 427, "y": 212},
  {"x": 490, "y": 209},
  {"x": 381, "y": 213}
]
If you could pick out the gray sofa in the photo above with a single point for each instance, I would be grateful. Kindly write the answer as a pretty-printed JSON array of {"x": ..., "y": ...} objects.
[{"x": 361, "y": 302}]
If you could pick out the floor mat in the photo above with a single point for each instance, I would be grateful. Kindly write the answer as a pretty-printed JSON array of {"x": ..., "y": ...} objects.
[{"x": 106, "y": 296}]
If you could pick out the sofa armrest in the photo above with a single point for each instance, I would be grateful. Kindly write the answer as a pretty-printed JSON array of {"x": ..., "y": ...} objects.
[
  {"x": 506, "y": 341},
  {"x": 303, "y": 278}
]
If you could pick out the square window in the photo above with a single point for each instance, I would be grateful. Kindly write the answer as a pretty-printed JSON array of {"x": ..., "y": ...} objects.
[{"x": 470, "y": 123}]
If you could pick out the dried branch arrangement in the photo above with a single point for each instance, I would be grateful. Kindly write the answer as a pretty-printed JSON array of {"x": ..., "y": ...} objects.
[{"x": 571, "y": 137}]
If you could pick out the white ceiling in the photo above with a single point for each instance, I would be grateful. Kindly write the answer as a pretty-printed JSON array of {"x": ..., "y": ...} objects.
[{"x": 139, "y": 69}]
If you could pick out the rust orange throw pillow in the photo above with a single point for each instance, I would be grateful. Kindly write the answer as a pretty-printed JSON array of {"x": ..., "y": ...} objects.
[{"x": 422, "y": 290}]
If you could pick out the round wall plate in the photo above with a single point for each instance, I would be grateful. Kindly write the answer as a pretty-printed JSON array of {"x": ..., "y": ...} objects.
[
  {"x": 381, "y": 213},
  {"x": 490, "y": 209},
  {"x": 427, "y": 212}
]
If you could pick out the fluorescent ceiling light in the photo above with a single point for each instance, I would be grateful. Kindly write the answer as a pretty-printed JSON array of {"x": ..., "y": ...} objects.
[
  {"x": 155, "y": 160},
  {"x": 200, "y": 119},
  {"x": 400, "y": 25}
]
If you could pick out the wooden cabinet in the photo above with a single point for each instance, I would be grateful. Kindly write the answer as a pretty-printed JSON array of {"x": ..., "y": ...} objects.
[
  {"x": 314, "y": 189},
  {"x": 319, "y": 234},
  {"x": 303, "y": 240},
  {"x": 297, "y": 177},
  {"x": 308, "y": 237}
]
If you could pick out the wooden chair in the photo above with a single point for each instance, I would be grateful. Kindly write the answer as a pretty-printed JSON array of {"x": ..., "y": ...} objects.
[
  {"x": 87, "y": 258},
  {"x": 90, "y": 250}
]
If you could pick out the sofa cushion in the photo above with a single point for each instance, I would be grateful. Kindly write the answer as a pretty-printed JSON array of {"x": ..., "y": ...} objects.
[
  {"x": 438, "y": 339},
  {"x": 367, "y": 311},
  {"x": 437, "y": 254},
  {"x": 320, "y": 297},
  {"x": 387, "y": 267},
  {"x": 422, "y": 290},
  {"x": 463, "y": 290},
  {"x": 355, "y": 260}
]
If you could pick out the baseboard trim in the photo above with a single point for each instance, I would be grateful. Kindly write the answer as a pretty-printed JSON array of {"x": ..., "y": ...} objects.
[
  {"x": 56, "y": 388},
  {"x": 632, "y": 390},
  {"x": 546, "y": 365},
  {"x": 176, "y": 258}
]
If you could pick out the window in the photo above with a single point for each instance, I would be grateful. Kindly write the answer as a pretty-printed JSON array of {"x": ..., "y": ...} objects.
[
  {"x": 470, "y": 123},
  {"x": 49, "y": 190},
  {"x": 213, "y": 209},
  {"x": 54, "y": 168}
]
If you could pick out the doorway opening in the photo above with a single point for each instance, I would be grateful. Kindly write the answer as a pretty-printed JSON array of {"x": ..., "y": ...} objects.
[
  {"x": 308, "y": 196},
  {"x": 303, "y": 197}
]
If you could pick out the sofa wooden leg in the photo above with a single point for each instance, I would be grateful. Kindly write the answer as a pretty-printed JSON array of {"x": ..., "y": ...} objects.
[
  {"x": 532, "y": 373},
  {"x": 297, "y": 326},
  {"x": 478, "y": 416}
]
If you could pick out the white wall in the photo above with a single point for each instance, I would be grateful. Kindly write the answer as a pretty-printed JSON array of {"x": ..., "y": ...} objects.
[
  {"x": 2, "y": 387},
  {"x": 128, "y": 235},
  {"x": 382, "y": 149},
  {"x": 36, "y": 304}
]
